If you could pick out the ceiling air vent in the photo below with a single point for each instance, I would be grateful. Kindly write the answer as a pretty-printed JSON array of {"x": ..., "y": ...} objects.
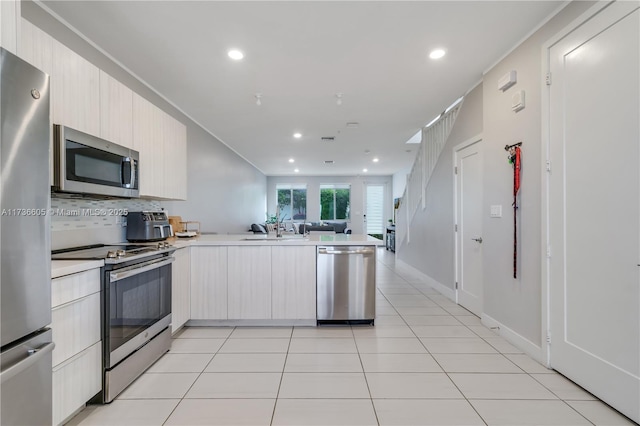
[
  {"x": 328, "y": 138},
  {"x": 328, "y": 161}
]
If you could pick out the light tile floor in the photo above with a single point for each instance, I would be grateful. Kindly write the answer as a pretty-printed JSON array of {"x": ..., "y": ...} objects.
[{"x": 427, "y": 361}]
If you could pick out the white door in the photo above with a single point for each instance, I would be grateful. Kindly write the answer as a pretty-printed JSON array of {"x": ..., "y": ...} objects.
[
  {"x": 594, "y": 206},
  {"x": 374, "y": 209},
  {"x": 469, "y": 222}
]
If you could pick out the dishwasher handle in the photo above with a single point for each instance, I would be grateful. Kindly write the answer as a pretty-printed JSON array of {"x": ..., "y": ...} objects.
[{"x": 324, "y": 250}]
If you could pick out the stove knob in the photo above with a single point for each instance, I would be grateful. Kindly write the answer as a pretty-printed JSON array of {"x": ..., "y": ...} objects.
[
  {"x": 120, "y": 253},
  {"x": 111, "y": 254}
]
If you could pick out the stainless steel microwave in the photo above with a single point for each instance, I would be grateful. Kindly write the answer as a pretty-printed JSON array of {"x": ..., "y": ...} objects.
[{"x": 85, "y": 164}]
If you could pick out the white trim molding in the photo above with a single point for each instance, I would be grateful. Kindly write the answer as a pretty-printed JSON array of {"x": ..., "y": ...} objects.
[
  {"x": 443, "y": 289},
  {"x": 527, "y": 346}
]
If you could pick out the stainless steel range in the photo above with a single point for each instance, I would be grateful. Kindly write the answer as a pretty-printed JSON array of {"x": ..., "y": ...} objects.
[{"x": 136, "y": 308}]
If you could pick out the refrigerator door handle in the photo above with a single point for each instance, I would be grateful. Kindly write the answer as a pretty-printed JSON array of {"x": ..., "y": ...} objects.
[{"x": 34, "y": 356}]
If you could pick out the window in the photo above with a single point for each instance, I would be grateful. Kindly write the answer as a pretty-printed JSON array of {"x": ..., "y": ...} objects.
[
  {"x": 334, "y": 202},
  {"x": 292, "y": 200}
]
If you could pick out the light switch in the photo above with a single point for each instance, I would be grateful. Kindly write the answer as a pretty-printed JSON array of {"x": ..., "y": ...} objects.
[{"x": 496, "y": 211}]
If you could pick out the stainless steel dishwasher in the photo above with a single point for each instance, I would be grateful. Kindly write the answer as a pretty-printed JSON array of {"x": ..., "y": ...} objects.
[{"x": 346, "y": 284}]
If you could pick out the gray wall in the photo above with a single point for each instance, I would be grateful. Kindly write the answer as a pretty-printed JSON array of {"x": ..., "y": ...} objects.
[
  {"x": 225, "y": 193},
  {"x": 515, "y": 303},
  {"x": 432, "y": 244},
  {"x": 313, "y": 195}
]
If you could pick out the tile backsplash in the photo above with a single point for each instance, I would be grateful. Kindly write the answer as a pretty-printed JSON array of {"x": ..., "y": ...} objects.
[{"x": 77, "y": 221}]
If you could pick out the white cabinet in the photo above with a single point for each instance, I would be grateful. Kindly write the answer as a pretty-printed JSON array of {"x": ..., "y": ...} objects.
[
  {"x": 161, "y": 141},
  {"x": 209, "y": 283},
  {"x": 249, "y": 282},
  {"x": 88, "y": 99},
  {"x": 175, "y": 159},
  {"x": 293, "y": 282},
  {"x": 75, "y": 381},
  {"x": 77, "y": 367},
  {"x": 75, "y": 94},
  {"x": 10, "y": 25},
  {"x": 36, "y": 47},
  {"x": 253, "y": 283},
  {"x": 116, "y": 111},
  {"x": 180, "y": 289}
]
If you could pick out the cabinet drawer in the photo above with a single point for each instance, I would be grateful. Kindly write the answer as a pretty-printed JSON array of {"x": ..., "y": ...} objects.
[
  {"x": 76, "y": 381},
  {"x": 74, "y": 286},
  {"x": 76, "y": 326}
]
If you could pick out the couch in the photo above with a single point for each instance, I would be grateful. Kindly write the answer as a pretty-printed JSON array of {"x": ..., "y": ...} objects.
[{"x": 337, "y": 227}]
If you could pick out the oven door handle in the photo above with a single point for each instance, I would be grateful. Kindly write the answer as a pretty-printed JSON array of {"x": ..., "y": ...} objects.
[{"x": 133, "y": 271}]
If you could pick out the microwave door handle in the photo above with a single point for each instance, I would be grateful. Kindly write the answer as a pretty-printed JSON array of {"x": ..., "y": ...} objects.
[
  {"x": 126, "y": 184},
  {"x": 134, "y": 166}
]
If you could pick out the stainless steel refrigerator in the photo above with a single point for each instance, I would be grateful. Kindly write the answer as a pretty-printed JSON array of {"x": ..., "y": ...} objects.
[{"x": 25, "y": 244}]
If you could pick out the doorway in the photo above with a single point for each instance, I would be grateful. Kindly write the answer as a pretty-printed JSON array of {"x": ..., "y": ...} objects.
[
  {"x": 374, "y": 210},
  {"x": 593, "y": 202},
  {"x": 468, "y": 208}
]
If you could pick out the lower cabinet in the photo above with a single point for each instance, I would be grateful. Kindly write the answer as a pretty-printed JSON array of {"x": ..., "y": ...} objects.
[
  {"x": 75, "y": 381},
  {"x": 293, "y": 282},
  {"x": 249, "y": 288},
  {"x": 209, "y": 283},
  {"x": 77, "y": 357},
  {"x": 253, "y": 283},
  {"x": 180, "y": 289}
]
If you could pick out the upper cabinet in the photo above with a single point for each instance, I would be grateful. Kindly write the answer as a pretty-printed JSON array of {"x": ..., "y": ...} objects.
[
  {"x": 36, "y": 47},
  {"x": 10, "y": 25},
  {"x": 175, "y": 159},
  {"x": 75, "y": 91},
  {"x": 161, "y": 141},
  {"x": 148, "y": 141},
  {"x": 116, "y": 111},
  {"x": 88, "y": 99}
]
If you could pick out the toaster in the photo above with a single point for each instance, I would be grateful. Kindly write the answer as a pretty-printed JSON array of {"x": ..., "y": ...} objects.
[{"x": 148, "y": 226}]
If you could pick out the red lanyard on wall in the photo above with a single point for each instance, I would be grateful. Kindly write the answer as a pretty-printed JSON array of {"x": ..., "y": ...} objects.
[{"x": 515, "y": 158}]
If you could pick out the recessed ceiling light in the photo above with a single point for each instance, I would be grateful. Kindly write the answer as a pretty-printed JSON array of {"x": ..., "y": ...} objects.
[
  {"x": 365, "y": 170},
  {"x": 297, "y": 135},
  {"x": 375, "y": 160},
  {"x": 235, "y": 54},
  {"x": 296, "y": 170},
  {"x": 291, "y": 160},
  {"x": 437, "y": 53}
]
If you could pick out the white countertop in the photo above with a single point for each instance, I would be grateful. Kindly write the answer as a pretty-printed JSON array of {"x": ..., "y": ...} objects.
[
  {"x": 287, "y": 239},
  {"x": 60, "y": 268}
]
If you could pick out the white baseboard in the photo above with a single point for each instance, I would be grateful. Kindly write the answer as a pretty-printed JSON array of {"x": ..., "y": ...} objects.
[
  {"x": 517, "y": 340},
  {"x": 443, "y": 289}
]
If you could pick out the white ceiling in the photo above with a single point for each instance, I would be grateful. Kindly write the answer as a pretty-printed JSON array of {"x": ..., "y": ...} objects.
[{"x": 298, "y": 55}]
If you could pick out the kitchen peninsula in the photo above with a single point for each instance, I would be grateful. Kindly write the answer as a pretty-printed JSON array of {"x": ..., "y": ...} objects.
[{"x": 249, "y": 279}]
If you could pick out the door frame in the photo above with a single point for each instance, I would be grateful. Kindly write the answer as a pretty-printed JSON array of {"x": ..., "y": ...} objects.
[
  {"x": 456, "y": 263},
  {"x": 545, "y": 255}
]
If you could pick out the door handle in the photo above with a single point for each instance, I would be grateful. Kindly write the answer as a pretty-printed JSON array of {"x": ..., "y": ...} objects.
[{"x": 478, "y": 240}]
